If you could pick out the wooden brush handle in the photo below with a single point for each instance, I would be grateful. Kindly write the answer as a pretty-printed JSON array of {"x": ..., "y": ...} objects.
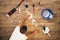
[
  {"x": 14, "y": 9},
  {"x": 33, "y": 8},
  {"x": 19, "y": 3},
  {"x": 22, "y": 22},
  {"x": 24, "y": 19}
]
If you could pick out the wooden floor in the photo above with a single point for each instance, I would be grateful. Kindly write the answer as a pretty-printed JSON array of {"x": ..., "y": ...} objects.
[{"x": 7, "y": 25}]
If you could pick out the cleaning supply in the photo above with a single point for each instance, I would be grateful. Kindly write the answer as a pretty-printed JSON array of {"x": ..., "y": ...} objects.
[
  {"x": 27, "y": 6},
  {"x": 14, "y": 9},
  {"x": 46, "y": 30},
  {"x": 47, "y": 14}
]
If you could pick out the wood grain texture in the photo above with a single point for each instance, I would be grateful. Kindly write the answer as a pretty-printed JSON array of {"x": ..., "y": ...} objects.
[{"x": 7, "y": 25}]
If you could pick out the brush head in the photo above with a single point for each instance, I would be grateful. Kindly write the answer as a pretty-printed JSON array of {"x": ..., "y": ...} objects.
[
  {"x": 11, "y": 12},
  {"x": 33, "y": 5}
]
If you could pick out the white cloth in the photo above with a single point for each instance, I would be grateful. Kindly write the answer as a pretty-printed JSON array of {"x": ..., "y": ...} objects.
[{"x": 16, "y": 35}]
